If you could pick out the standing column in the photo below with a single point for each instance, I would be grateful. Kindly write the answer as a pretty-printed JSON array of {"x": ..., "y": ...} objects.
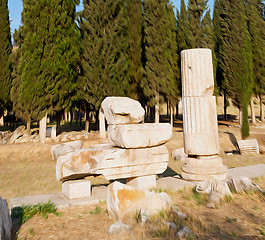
[
  {"x": 200, "y": 126},
  {"x": 42, "y": 128}
]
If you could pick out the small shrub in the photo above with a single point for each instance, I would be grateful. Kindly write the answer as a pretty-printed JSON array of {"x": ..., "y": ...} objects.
[{"x": 97, "y": 210}]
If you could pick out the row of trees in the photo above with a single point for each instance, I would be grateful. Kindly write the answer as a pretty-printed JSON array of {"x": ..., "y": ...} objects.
[{"x": 65, "y": 59}]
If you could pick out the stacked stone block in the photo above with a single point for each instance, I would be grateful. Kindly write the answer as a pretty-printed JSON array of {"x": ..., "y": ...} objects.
[{"x": 200, "y": 126}]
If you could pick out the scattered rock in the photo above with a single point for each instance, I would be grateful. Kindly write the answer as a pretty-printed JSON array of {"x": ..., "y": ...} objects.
[
  {"x": 179, "y": 154},
  {"x": 119, "y": 226},
  {"x": 16, "y": 134},
  {"x": 5, "y": 221},
  {"x": 172, "y": 225},
  {"x": 123, "y": 200},
  {"x": 211, "y": 205},
  {"x": 249, "y": 146},
  {"x": 242, "y": 184},
  {"x": 122, "y": 110},
  {"x": 139, "y": 135},
  {"x": 143, "y": 216},
  {"x": 183, "y": 232},
  {"x": 229, "y": 154},
  {"x": 181, "y": 215},
  {"x": 64, "y": 148}
]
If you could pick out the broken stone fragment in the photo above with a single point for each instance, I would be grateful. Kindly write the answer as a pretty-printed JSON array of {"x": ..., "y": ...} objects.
[
  {"x": 242, "y": 184},
  {"x": 16, "y": 134},
  {"x": 125, "y": 200},
  {"x": 112, "y": 162},
  {"x": 122, "y": 110},
  {"x": 64, "y": 148},
  {"x": 248, "y": 147},
  {"x": 139, "y": 135},
  {"x": 5, "y": 221}
]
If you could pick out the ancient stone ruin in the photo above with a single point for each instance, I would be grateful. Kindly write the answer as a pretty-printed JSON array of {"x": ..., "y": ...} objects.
[
  {"x": 200, "y": 127},
  {"x": 135, "y": 151}
]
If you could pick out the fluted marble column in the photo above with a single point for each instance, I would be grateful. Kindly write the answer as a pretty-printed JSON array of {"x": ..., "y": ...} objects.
[{"x": 200, "y": 126}]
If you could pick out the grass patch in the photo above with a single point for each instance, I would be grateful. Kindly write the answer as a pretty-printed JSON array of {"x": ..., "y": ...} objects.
[
  {"x": 97, "y": 210},
  {"x": 24, "y": 213}
]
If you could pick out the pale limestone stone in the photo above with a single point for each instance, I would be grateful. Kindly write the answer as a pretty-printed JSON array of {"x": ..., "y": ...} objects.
[
  {"x": 64, "y": 148},
  {"x": 16, "y": 134},
  {"x": 125, "y": 200},
  {"x": 142, "y": 183},
  {"x": 2, "y": 121},
  {"x": 204, "y": 168},
  {"x": 102, "y": 127},
  {"x": 122, "y": 110},
  {"x": 200, "y": 127},
  {"x": 118, "y": 227},
  {"x": 248, "y": 147},
  {"x": 112, "y": 162},
  {"x": 139, "y": 135},
  {"x": 42, "y": 128},
  {"x": 219, "y": 187},
  {"x": 53, "y": 132},
  {"x": 5, "y": 221},
  {"x": 197, "y": 73},
  {"x": 76, "y": 189},
  {"x": 241, "y": 184}
]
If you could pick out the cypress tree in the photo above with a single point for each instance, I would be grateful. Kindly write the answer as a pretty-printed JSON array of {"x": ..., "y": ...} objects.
[
  {"x": 196, "y": 9},
  {"x": 135, "y": 54},
  {"x": 236, "y": 57},
  {"x": 5, "y": 51},
  {"x": 50, "y": 52},
  {"x": 104, "y": 31},
  {"x": 256, "y": 26},
  {"x": 161, "y": 52}
]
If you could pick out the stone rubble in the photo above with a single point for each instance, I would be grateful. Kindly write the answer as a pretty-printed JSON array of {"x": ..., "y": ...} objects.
[
  {"x": 248, "y": 147},
  {"x": 118, "y": 227}
]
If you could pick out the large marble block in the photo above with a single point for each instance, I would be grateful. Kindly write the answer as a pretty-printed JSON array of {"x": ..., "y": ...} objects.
[
  {"x": 197, "y": 72},
  {"x": 122, "y": 110},
  {"x": 200, "y": 126},
  {"x": 139, "y": 135},
  {"x": 112, "y": 162}
]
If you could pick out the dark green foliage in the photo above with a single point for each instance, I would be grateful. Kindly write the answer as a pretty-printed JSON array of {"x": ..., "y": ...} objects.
[
  {"x": 256, "y": 26},
  {"x": 135, "y": 63},
  {"x": 236, "y": 56},
  {"x": 104, "y": 30},
  {"x": 196, "y": 9},
  {"x": 24, "y": 213},
  {"x": 5, "y": 51},
  {"x": 162, "y": 72},
  {"x": 50, "y": 53}
]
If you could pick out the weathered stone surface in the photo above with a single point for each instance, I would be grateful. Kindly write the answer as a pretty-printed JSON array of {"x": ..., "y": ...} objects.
[
  {"x": 5, "y": 221},
  {"x": 142, "y": 183},
  {"x": 125, "y": 200},
  {"x": 139, "y": 135},
  {"x": 204, "y": 168},
  {"x": 16, "y": 134},
  {"x": 122, "y": 110},
  {"x": 118, "y": 227},
  {"x": 76, "y": 189},
  {"x": 200, "y": 127},
  {"x": 241, "y": 184},
  {"x": 112, "y": 162},
  {"x": 179, "y": 154},
  {"x": 197, "y": 73},
  {"x": 42, "y": 128},
  {"x": 248, "y": 147},
  {"x": 64, "y": 148}
]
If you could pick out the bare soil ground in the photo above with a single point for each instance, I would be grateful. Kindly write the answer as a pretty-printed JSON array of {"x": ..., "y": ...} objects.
[{"x": 28, "y": 169}]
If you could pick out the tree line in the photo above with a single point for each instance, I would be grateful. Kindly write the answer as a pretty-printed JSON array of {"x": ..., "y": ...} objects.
[{"x": 62, "y": 59}]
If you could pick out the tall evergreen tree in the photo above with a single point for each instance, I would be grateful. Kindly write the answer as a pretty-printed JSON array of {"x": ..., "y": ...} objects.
[
  {"x": 196, "y": 10},
  {"x": 104, "y": 31},
  {"x": 50, "y": 52},
  {"x": 161, "y": 52},
  {"x": 236, "y": 57},
  {"x": 5, "y": 51},
  {"x": 256, "y": 26},
  {"x": 135, "y": 54}
]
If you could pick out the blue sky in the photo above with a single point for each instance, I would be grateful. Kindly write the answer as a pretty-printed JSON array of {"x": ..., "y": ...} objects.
[{"x": 15, "y": 7}]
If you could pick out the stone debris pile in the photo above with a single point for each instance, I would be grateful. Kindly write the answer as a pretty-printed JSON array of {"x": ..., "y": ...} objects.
[{"x": 135, "y": 150}]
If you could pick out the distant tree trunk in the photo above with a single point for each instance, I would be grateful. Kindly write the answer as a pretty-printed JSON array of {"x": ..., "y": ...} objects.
[
  {"x": 225, "y": 106},
  {"x": 262, "y": 117},
  {"x": 2, "y": 121},
  {"x": 87, "y": 120},
  {"x": 177, "y": 111},
  {"x": 171, "y": 115},
  {"x": 42, "y": 128},
  {"x": 102, "y": 127},
  {"x": 71, "y": 117},
  {"x": 58, "y": 119},
  {"x": 28, "y": 125},
  {"x": 252, "y": 109},
  {"x": 168, "y": 109},
  {"x": 157, "y": 108},
  {"x": 240, "y": 117}
]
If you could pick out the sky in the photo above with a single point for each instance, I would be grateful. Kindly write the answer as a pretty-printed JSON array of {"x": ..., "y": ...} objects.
[{"x": 15, "y": 7}]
